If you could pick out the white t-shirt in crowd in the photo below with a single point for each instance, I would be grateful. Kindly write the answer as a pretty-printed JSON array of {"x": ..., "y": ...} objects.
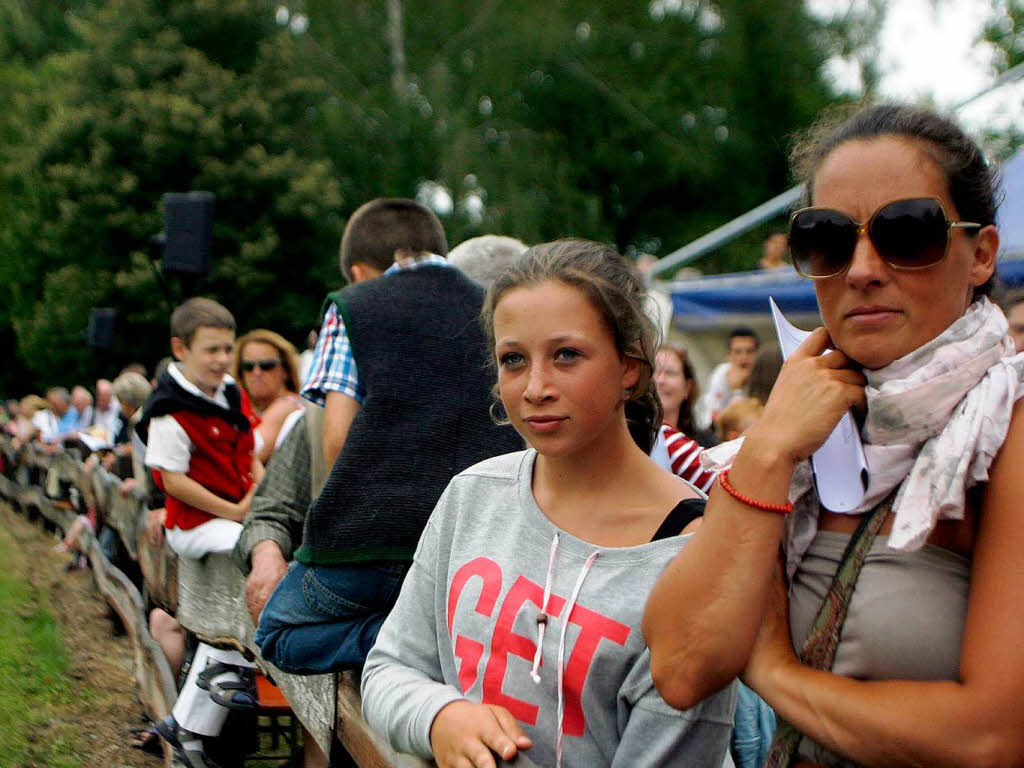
[
  {"x": 46, "y": 423},
  {"x": 717, "y": 396}
]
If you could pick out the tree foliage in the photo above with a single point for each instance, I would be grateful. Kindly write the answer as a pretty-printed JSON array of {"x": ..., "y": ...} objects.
[
  {"x": 642, "y": 124},
  {"x": 1006, "y": 31},
  {"x": 157, "y": 97}
]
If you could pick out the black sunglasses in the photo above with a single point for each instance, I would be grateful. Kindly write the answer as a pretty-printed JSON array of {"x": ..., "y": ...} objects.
[
  {"x": 264, "y": 365},
  {"x": 908, "y": 234}
]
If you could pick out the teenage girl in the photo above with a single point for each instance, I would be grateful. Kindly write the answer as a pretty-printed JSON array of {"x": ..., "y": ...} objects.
[{"x": 518, "y": 625}]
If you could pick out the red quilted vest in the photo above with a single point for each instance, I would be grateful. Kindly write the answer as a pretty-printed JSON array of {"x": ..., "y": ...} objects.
[{"x": 221, "y": 462}]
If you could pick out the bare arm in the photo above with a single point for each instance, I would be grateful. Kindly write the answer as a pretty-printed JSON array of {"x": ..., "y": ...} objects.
[
  {"x": 339, "y": 412},
  {"x": 720, "y": 580},
  {"x": 271, "y": 422},
  {"x": 185, "y": 489},
  {"x": 705, "y": 610},
  {"x": 976, "y": 720}
]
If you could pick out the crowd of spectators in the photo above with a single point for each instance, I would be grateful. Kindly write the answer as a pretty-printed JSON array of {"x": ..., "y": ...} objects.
[{"x": 366, "y": 487}]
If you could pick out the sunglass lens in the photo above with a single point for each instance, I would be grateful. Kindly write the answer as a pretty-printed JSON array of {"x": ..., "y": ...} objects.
[
  {"x": 264, "y": 365},
  {"x": 822, "y": 241},
  {"x": 910, "y": 233}
]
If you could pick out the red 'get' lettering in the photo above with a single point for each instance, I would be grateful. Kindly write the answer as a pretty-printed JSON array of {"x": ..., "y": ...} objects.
[
  {"x": 504, "y": 642},
  {"x": 593, "y": 629},
  {"x": 490, "y": 572},
  {"x": 466, "y": 650}
]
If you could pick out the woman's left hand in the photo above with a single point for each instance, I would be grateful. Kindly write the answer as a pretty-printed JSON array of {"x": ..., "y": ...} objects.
[{"x": 773, "y": 648}]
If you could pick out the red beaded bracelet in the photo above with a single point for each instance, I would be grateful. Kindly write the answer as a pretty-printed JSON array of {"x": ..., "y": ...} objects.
[{"x": 723, "y": 480}]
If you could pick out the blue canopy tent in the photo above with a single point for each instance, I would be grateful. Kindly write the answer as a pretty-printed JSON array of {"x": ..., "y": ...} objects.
[
  {"x": 707, "y": 301},
  {"x": 1011, "y": 212}
]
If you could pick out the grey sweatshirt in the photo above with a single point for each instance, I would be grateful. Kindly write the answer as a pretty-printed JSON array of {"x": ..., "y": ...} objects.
[{"x": 465, "y": 627}]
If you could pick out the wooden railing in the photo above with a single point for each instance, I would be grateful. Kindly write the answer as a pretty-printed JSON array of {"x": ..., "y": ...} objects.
[{"x": 207, "y": 597}]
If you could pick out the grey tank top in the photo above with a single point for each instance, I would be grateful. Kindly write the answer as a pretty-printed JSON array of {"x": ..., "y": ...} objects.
[{"x": 906, "y": 618}]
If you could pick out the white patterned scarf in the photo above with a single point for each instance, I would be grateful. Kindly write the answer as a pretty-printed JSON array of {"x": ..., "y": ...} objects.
[{"x": 935, "y": 418}]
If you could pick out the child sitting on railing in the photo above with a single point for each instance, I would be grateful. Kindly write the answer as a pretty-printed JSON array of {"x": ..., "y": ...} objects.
[{"x": 198, "y": 426}]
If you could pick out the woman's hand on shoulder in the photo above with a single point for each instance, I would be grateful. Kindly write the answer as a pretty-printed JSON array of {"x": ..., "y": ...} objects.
[
  {"x": 812, "y": 393},
  {"x": 466, "y": 734}
]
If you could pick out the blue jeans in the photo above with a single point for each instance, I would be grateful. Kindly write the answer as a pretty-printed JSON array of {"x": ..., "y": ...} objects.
[
  {"x": 753, "y": 730},
  {"x": 326, "y": 618}
]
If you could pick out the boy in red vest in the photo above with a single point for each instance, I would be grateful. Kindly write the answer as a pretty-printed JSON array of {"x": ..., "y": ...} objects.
[{"x": 198, "y": 429}]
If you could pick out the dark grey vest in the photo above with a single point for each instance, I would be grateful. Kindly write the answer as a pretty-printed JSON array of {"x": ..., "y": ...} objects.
[{"x": 422, "y": 359}]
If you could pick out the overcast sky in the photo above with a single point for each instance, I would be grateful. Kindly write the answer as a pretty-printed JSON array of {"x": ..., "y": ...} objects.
[{"x": 930, "y": 50}]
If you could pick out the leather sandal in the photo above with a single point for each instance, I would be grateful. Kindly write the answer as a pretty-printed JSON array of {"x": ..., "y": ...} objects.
[
  {"x": 234, "y": 694},
  {"x": 187, "y": 746}
]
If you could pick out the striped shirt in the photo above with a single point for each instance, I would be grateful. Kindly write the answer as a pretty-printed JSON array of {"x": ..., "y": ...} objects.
[{"x": 684, "y": 457}]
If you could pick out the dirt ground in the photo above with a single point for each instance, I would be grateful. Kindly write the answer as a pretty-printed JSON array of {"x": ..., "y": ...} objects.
[{"x": 101, "y": 661}]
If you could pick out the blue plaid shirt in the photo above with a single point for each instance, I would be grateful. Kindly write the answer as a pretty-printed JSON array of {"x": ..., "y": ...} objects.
[{"x": 333, "y": 368}]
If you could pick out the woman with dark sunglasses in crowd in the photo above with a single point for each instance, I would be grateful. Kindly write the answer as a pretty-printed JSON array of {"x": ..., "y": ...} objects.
[
  {"x": 905, "y": 611},
  {"x": 267, "y": 366}
]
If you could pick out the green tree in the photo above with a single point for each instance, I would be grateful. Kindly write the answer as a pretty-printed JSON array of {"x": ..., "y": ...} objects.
[
  {"x": 1005, "y": 31},
  {"x": 156, "y": 97},
  {"x": 642, "y": 124}
]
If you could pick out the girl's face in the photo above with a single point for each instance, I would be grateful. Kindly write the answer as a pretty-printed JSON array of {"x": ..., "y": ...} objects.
[
  {"x": 877, "y": 314},
  {"x": 560, "y": 376},
  {"x": 266, "y": 378},
  {"x": 670, "y": 380}
]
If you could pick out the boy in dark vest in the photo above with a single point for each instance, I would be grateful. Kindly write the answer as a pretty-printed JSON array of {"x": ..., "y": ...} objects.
[
  {"x": 198, "y": 430},
  {"x": 401, "y": 368}
]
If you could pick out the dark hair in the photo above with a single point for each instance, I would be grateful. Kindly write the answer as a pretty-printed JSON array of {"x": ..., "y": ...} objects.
[
  {"x": 199, "y": 313},
  {"x": 383, "y": 226},
  {"x": 742, "y": 333},
  {"x": 1012, "y": 299},
  {"x": 616, "y": 291},
  {"x": 972, "y": 182},
  {"x": 763, "y": 373},
  {"x": 685, "y": 422}
]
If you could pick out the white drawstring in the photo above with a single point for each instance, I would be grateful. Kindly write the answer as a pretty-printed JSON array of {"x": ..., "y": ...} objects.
[
  {"x": 542, "y": 617},
  {"x": 542, "y": 623},
  {"x": 561, "y": 651}
]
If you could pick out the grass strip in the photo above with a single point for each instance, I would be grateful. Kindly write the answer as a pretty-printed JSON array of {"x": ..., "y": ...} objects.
[{"x": 34, "y": 671}]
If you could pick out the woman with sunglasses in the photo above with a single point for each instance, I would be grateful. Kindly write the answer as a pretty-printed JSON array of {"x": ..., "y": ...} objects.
[
  {"x": 905, "y": 612},
  {"x": 267, "y": 366}
]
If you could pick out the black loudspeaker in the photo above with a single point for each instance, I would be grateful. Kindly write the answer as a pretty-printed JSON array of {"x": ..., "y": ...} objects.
[
  {"x": 101, "y": 328},
  {"x": 188, "y": 229}
]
